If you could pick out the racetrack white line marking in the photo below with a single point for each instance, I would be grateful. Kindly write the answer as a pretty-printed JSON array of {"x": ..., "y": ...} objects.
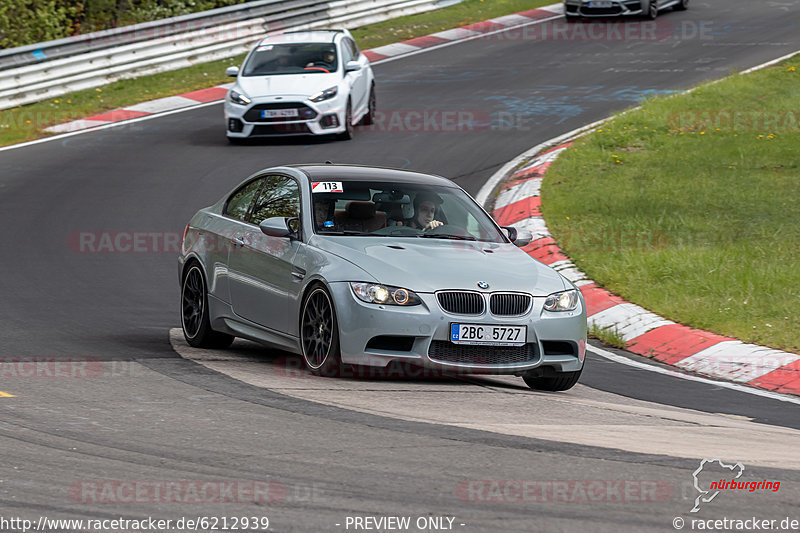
[
  {"x": 455, "y": 34},
  {"x": 77, "y": 125},
  {"x": 737, "y": 361},
  {"x": 395, "y": 49},
  {"x": 107, "y": 126},
  {"x": 675, "y": 374},
  {"x": 630, "y": 320},
  {"x": 510, "y": 20},
  {"x": 519, "y": 192},
  {"x": 162, "y": 104}
]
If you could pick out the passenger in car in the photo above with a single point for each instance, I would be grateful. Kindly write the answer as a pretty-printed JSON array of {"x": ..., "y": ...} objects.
[
  {"x": 360, "y": 216},
  {"x": 324, "y": 213}
]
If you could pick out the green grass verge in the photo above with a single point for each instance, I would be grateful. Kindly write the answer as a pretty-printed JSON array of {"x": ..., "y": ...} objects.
[
  {"x": 27, "y": 122},
  {"x": 608, "y": 335},
  {"x": 690, "y": 206}
]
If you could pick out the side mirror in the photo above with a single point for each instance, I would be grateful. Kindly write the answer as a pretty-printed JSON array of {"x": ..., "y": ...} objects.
[
  {"x": 520, "y": 238},
  {"x": 232, "y": 72},
  {"x": 276, "y": 227},
  {"x": 352, "y": 66}
]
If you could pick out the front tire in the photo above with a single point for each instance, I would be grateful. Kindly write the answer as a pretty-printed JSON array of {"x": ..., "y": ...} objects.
[
  {"x": 195, "y": 322},
  {"x": 369, "y": 118},
  {"x": 652, "y": 10},
  {"x": 349, "y": 129},
  {"x": 319, "y": 334},
  {"x": 560, "y": 382}
]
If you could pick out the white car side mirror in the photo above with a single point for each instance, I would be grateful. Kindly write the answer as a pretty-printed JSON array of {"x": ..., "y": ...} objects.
[{"x": 232, "y": 72}]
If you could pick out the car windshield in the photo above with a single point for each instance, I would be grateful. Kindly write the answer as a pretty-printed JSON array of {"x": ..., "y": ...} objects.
[
  {"x": 386, "y": 209},
  {"x": 293, "y": 58}
]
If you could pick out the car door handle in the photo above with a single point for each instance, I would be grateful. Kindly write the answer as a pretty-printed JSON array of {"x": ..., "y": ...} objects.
[{"x": 238, "y": 239}]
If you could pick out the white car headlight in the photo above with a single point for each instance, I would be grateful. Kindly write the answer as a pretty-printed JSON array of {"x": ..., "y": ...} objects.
[
  {"x": 327, "y": 94},
  {"x": 562, "y": 301},
  {"x": 375, "y": 293},
  {"x": 239, "y": 98}
]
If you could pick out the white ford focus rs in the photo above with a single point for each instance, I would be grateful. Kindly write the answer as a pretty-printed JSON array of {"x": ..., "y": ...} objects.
[{"x": 301, "y": 83}]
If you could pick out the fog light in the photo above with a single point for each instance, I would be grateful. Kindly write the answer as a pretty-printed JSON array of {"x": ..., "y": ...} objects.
[
  {"x": 329, "y": 121},
  {"x": 235, "y": 125}
]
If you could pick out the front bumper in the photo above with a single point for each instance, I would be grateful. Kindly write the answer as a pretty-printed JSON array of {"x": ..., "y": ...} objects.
[
  {"x": 322, "y": 118},
  {"x": 623, "y": 8},
  {"x": 376, "y": 335}
]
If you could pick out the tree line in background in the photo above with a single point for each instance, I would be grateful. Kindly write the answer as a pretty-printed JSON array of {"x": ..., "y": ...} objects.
[{"x": 32, "y": 21}]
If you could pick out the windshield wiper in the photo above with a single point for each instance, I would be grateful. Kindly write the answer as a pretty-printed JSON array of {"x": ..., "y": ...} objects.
[{"x": 448, "y": 236}]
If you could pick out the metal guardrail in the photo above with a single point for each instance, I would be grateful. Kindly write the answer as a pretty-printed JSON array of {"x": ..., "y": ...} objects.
[{"x": 46, "y": 70}]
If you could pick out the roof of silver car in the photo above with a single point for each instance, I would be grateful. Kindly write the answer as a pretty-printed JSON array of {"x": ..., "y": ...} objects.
[{"x": 367, "y": 173}]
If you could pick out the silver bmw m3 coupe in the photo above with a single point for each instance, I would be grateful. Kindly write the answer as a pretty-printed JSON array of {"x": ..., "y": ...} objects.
[
  {"x": 354, "y": 265},
  {"x": 574, "y": 9}
]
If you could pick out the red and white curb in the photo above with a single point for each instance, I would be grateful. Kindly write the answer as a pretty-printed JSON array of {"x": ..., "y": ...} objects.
[
  {"x": 376, "y": 55},
  {"x": 161, "y": 105},
  {"x": 518, "y": 204}
]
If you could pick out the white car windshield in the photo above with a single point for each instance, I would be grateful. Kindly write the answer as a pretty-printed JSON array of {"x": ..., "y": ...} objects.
[
  {"x": 293, "y": 58},
  {"x": 369, "y": 208}
]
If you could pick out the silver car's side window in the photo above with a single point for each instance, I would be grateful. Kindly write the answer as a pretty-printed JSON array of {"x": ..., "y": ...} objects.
[
  {"x": 238, "y": 205},
  {"x": 280, "y": 197}
]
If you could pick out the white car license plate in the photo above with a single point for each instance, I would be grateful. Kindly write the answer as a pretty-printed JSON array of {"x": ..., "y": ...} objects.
[
  {"x": 488, "y": 334},
  {"x": 279, "y": 113},
  {"x": 601, "y": 3}
]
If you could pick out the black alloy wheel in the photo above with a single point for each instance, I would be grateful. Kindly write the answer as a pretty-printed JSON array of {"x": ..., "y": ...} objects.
[
  {"x": 194, "y": 313},
  {"x": 319, "y": 334}
]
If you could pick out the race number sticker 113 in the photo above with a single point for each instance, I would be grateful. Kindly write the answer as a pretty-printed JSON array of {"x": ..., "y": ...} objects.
[{"x": 327, "y": 186}]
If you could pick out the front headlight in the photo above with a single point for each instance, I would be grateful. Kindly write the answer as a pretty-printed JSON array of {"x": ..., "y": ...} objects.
[
  {"x": 239, "y": 98},
  {"x": 327, "y": 94},
  {"x": 562, "y": 301},
  {"x": 375, "y": 293}
]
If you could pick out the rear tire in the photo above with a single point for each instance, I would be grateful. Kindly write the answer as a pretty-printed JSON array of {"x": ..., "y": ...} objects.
[
  {"x": 319, "y": 334},
  {"x": 194, "y": 312},
  {"x": 560, "y": 382}
]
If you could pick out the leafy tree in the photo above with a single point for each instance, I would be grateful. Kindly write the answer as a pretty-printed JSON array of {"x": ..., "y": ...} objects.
[{"x": 33, "y": 21}]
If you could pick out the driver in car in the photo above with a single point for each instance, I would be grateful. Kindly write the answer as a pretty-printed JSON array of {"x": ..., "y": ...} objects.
[
  {"x": 326, "y": 61},
  {"x": 425, "y": 204}
]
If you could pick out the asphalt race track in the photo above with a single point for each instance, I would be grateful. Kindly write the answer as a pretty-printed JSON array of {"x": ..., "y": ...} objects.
[{"x": 138, "y": 415}]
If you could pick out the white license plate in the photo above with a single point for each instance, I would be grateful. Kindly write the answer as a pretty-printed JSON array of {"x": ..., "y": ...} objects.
[
  {"x": 488, "y": 334},
  {"x": 600, "y": 3},
  {"x": 279, "y": 113}
]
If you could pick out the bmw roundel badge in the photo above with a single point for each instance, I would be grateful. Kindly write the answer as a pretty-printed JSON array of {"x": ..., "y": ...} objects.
[{"x": 483, "y": 285}]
